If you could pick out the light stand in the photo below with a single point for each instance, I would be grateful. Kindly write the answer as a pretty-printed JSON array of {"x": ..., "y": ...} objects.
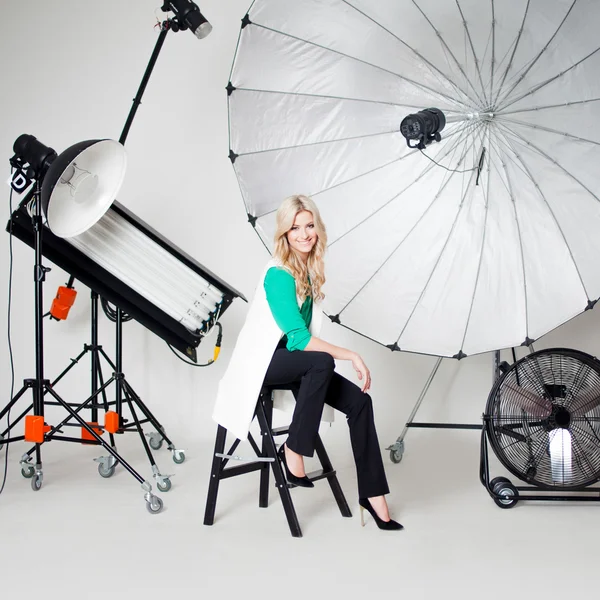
[
  {"x": 69, "y": 256},
  {"x": 35, "y": 427},
  {"x": 184, "y": 11},
  {"x": 155, "y": 439}
]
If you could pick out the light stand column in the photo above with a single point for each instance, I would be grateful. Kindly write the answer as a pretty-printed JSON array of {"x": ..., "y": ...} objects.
[{"x": 164, "y": 29}]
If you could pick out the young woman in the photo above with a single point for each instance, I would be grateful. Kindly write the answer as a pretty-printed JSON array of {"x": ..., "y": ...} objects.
[{"x": 278, "y": 345}]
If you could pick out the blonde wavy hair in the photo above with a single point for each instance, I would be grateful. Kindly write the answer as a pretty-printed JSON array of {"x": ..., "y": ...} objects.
[{"x": 287, "y": 256}]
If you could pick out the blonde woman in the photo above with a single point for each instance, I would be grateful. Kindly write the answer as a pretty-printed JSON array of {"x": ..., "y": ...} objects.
[{"x": 282, "y": 318}]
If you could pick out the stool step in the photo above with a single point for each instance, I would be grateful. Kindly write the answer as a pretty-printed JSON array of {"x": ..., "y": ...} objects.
[
  {"x": 280, "y": 430},
  {"x": 315, "y": 476},
  {"x": 320, "y": 474}
]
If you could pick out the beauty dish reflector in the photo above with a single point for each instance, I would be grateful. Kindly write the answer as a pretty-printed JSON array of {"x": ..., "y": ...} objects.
[{"x": 81, "y": 184}]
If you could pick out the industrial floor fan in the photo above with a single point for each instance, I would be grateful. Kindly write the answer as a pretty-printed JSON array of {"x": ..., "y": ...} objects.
[{"x": 542, "y": 420}]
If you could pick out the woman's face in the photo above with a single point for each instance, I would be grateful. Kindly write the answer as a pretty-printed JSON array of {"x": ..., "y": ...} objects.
[{"x": 302, "y": 236}]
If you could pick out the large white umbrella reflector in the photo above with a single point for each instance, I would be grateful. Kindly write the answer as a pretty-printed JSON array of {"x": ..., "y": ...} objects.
[{"x": 443, "y": 260}]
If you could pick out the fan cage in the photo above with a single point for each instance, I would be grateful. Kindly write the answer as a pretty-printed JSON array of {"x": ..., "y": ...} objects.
[{"x": 542, "y": 419}]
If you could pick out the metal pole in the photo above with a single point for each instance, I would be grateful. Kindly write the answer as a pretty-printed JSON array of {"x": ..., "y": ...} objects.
[{"x": 165, "y": 27}]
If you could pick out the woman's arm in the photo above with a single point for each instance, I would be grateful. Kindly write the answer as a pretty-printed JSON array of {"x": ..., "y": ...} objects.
[
  {"x": 316, "y": 344},
  {"x": 280, "y": 289}
]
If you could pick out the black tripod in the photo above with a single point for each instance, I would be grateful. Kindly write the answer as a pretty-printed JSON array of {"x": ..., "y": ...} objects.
[
  {"x": 107, "y": 464},
  {"x": 98, "y": 400},
  {"x": 36, "y": 429}
]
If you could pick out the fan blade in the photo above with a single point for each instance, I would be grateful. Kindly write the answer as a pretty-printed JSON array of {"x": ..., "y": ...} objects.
[
  {"x": 531, "y": 403},
  {"x": 582, "y": 405}
]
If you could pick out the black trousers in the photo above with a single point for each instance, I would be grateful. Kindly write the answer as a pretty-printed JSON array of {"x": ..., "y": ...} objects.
[{"x": 312, "y": 379}]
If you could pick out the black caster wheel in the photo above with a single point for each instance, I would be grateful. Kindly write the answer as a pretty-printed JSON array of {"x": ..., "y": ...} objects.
[
  {"x": 496, "y": 480},
  {"x": 506, "y": 494}
]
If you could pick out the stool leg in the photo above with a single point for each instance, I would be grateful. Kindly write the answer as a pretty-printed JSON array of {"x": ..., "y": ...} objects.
[
  {"x": 213, "y": 486},
  {"x": 336, "y": 488},
  {"x": 263, "y": 500},
  {"x": 284, "y": 491}
]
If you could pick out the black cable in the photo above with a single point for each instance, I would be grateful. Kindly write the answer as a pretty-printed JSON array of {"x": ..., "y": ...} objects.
[
  {"x": 210, "y": 362},
  {"x": 447, "y": 169},
  {"x": 111, "y": 313},
  {"x": 187, "y": 362},
  {"x": 10, "y": 352}
]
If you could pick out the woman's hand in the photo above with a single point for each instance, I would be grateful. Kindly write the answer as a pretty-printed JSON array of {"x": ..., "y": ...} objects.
[
  {"x": 363, "y": 373},
  {"x": 316, "y": 344}
]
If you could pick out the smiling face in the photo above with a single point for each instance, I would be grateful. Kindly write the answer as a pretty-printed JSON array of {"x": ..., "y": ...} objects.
[{"x": 302, "y": 236}]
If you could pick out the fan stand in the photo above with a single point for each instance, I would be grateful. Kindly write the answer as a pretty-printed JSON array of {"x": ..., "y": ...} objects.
[{"x": 502, "y": 491}]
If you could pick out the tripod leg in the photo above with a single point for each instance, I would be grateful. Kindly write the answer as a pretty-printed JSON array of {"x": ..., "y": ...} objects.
[
  {"x": 13, "y": 402},
  {"x": 163, "y": 483},
  {"x": 104, "y": 398},
  {"x": 155, "y": 439}
]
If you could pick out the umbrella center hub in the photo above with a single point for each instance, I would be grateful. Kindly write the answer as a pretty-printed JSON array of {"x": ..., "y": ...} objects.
[{"x": 483, "y": 115}]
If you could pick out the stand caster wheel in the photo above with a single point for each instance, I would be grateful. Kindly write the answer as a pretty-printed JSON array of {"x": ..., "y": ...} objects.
[
  {"x": 36, "y": 483},
  {"x": 155, "y": 441},
  {"x": 106, "y": 472},
  {"x": 164, "y": 486},
  {"x": 396, "y": 452},
  {"x": 178, "y": 456},
  {"x": 497, "y": 480},
  {"x": 27, "y": 472},
  {"x": 154, "y": 505},
  {"x": 502, "y": 490},
  {"x": 395, "y": 457}
]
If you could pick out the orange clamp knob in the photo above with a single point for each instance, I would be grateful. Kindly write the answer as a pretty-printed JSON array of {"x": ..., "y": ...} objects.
[{"x": 65, "y": 297}]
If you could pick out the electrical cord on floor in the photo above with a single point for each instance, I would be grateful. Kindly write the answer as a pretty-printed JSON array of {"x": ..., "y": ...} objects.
[
  {"x": 10, "y": 352},
  {"x": 216, "y": 353}
]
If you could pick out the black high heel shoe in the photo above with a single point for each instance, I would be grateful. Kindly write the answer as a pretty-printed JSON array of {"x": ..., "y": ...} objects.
[
  {"x": 293, "y": 479},
  {"x": 390, "y": 525}
]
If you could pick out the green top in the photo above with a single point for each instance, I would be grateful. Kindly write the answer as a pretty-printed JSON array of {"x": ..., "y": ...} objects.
[{"x": 280, "y": 287}]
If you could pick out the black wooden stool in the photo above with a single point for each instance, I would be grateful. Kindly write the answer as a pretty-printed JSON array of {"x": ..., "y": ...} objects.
[{"x": 265, "y": 457}]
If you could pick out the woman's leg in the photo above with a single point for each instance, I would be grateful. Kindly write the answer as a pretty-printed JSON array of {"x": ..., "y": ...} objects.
[
  {"x": 309, "y": 373},
  {"x": 348, "y": 398}
]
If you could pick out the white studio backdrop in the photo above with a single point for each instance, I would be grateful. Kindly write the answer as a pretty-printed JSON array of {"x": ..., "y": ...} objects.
[{"x": 70, "y": 71}]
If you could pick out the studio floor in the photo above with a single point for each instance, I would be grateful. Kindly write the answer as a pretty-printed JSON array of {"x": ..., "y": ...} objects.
[{"x": 82, "y": 536}]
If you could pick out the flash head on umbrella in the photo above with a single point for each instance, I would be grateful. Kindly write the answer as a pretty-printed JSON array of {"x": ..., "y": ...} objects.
[
  {"x": 77, "y": 186},
  {"x": 423, "y": 127},
  {"x": 188, "y": 16}
]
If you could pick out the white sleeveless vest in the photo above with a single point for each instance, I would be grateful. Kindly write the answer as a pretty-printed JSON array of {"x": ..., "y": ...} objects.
[{"x": 239, "y": 388}]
